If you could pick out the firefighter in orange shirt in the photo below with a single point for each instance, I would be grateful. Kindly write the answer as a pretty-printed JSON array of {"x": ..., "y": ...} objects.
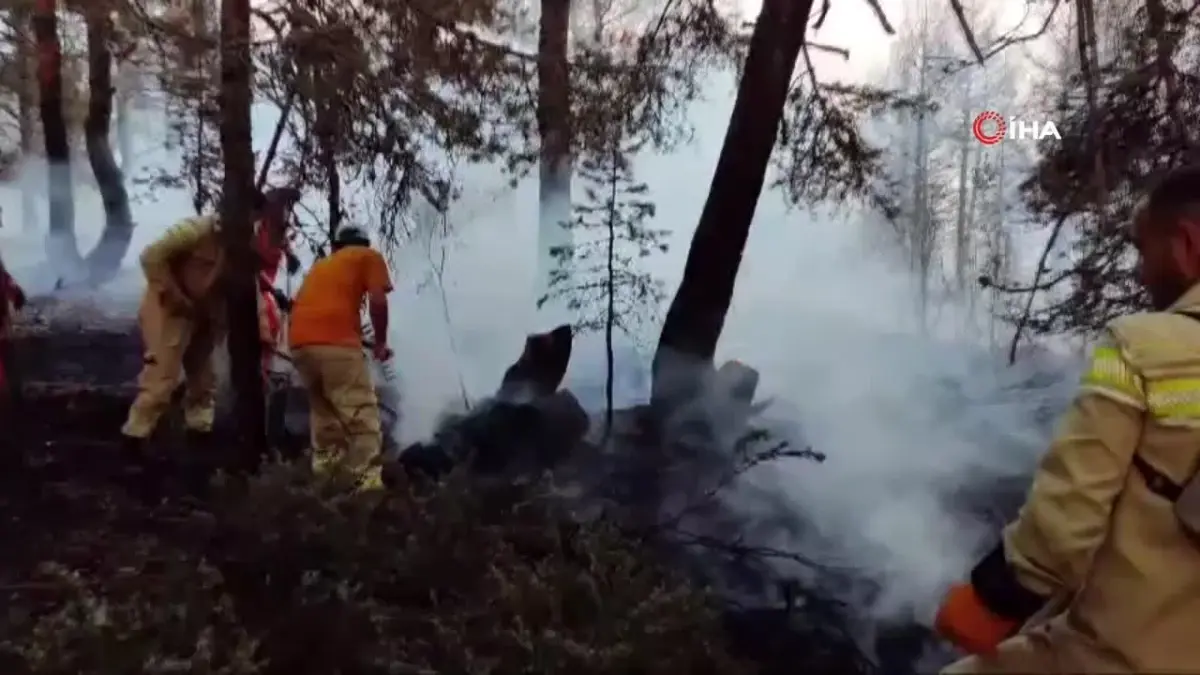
[{"x": 325, "y": 337}]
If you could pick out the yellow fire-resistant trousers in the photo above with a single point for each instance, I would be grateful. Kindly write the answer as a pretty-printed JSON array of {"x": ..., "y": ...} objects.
[
  {"x": 344, "y": 411},
  {"x": 176, "y": 346}
]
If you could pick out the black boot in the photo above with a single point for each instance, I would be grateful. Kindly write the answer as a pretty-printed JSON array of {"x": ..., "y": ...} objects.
[
  {"x": 198, "y": 441},
  {"x": 136, "y": 451},
  {"x": 199, "y": 462}
]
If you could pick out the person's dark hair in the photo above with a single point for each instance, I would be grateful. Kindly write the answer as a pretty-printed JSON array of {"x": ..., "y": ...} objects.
[
  {"x": 284, "y": 197},
  {"x": 1174, "y": 200},
  {"x": 258, "y": 201},
  {"x": 350, "y": 236}
]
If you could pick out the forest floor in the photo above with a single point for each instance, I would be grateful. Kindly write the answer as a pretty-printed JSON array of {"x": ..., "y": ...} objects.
[{"x": 72, "y": 500}]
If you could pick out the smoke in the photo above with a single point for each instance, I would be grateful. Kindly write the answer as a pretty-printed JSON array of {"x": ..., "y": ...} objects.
[{"x": 913, "y": 424}]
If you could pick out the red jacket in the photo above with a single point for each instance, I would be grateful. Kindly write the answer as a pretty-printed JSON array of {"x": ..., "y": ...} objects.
[
  {"x": 10, "y": 294},
  {"x": 272, "y": 247}
]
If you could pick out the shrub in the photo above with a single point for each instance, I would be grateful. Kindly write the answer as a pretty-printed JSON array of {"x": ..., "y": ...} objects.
[{"x": 286, "y": 573}]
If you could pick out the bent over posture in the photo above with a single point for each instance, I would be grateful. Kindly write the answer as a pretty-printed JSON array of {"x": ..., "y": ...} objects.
[
  {"x": 1098, "y": 550},
  {"x": 325, "y": 335},
  {"x": 182, "y": 318}
]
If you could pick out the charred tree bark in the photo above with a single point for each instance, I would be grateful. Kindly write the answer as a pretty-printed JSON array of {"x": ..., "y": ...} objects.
[
  {"x": 554, "y": 128},
  {"x": 61, "y": 246},
  {"x": 104, "y": 261},
  {"x": 245, "y": 356},
  {"x": 26, "y": 123},
  {"x": 696, "y": 316}
]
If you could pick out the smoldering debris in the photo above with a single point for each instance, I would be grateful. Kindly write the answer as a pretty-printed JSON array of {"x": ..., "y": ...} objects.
[{"x": 793, "y": 587}]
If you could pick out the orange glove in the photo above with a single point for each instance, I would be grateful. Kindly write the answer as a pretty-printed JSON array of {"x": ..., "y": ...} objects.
[{"x": 964, "y": 620}]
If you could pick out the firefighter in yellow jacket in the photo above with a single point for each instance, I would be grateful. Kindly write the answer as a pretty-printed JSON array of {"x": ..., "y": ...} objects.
[
  {"x": 1098, "y": 573},
  {"x": 182, "y": 319}
]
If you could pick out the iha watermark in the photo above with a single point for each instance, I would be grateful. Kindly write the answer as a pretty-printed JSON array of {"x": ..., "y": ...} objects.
[{"x": 990, "y": 127}]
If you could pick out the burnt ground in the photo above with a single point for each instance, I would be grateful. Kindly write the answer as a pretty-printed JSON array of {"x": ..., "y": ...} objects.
[
  {"x": 68, "y": 491},
  {"x": 69, "y": 494}
]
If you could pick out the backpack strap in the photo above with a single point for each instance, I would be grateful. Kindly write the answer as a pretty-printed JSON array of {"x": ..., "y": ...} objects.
[{"x": 1157, "y": 481}]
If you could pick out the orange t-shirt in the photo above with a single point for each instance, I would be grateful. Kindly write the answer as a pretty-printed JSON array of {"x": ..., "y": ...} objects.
[{"x": 328, "y": 307}]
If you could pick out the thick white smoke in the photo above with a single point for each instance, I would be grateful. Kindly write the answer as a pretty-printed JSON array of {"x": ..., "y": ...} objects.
[{"x": 908, "y": 422}]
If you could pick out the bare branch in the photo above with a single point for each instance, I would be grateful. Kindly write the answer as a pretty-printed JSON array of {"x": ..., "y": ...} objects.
[
  {"x": 967, "y": 32},
  {"x": 883, "y": 20}
]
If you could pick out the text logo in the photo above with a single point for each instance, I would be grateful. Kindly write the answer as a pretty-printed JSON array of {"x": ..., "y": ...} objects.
[{"x": 990, "y": 128}]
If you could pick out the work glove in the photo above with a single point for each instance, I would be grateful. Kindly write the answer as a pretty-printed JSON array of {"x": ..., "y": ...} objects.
[
  {"x": 282, "y": 300},
  {"x": 381, "y": 351},
  {"x": 964, "y": 620}
]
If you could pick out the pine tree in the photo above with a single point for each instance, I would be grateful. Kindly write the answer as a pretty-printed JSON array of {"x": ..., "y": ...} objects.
[{"x": 599, "y": 278}]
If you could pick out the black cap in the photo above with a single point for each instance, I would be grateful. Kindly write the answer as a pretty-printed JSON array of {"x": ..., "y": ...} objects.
[{"x": 351, "y": 236}]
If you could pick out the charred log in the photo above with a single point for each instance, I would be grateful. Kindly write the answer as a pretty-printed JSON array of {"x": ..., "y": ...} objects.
[
  {"x": 528, "y": 425},
  {"x": 541, "y": 368}
]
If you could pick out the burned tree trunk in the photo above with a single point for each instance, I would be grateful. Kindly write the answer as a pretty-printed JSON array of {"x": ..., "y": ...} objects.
[
  {"x": 105, "y": 259},
  {"x": 697, "y": 313},
  {"x": 237, "y": 229},
  {"x": 554, "y": 128},
  {"x": 61, "y": 245},
  {"x": 26, "y": 123}
]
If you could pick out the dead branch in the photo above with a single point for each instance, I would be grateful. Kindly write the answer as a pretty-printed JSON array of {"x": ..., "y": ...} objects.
[{"x": 967, "y": 32}]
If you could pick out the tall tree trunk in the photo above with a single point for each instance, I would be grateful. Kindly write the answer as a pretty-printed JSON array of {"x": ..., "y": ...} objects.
[
  {"x": 554, "y": 128},
  {"x": 26, "y": 123},
  {"x": 245, "y": 356},
  {"x": 697, "y": 313},
  {"x": 105, "y": 259},
  {"x": 61, "y": 245}
]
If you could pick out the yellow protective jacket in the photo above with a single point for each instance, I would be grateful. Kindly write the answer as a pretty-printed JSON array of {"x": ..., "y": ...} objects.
[
  {"x": 1097, "y": 545},
  {"x": 191, "y": 253}
]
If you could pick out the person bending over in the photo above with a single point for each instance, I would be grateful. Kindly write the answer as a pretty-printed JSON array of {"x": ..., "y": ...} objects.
[{"x": 325, "y": 339}]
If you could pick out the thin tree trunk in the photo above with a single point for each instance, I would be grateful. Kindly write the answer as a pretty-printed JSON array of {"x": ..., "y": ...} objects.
[
  {"x": 610, "y": 319},
  {"x": 26, "y": 122},
  {"x": 245, "y": 356},
  {"x": 198, "y": 79},
  {"x": 696, "y": 316},
  {"x": 61, "y": 245},
  {"x": 327, "y": 129},
  {"x": 960, "y": 229},
  {"x": 105, "y": 259},
  {"x": 554, "y": 128}
]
